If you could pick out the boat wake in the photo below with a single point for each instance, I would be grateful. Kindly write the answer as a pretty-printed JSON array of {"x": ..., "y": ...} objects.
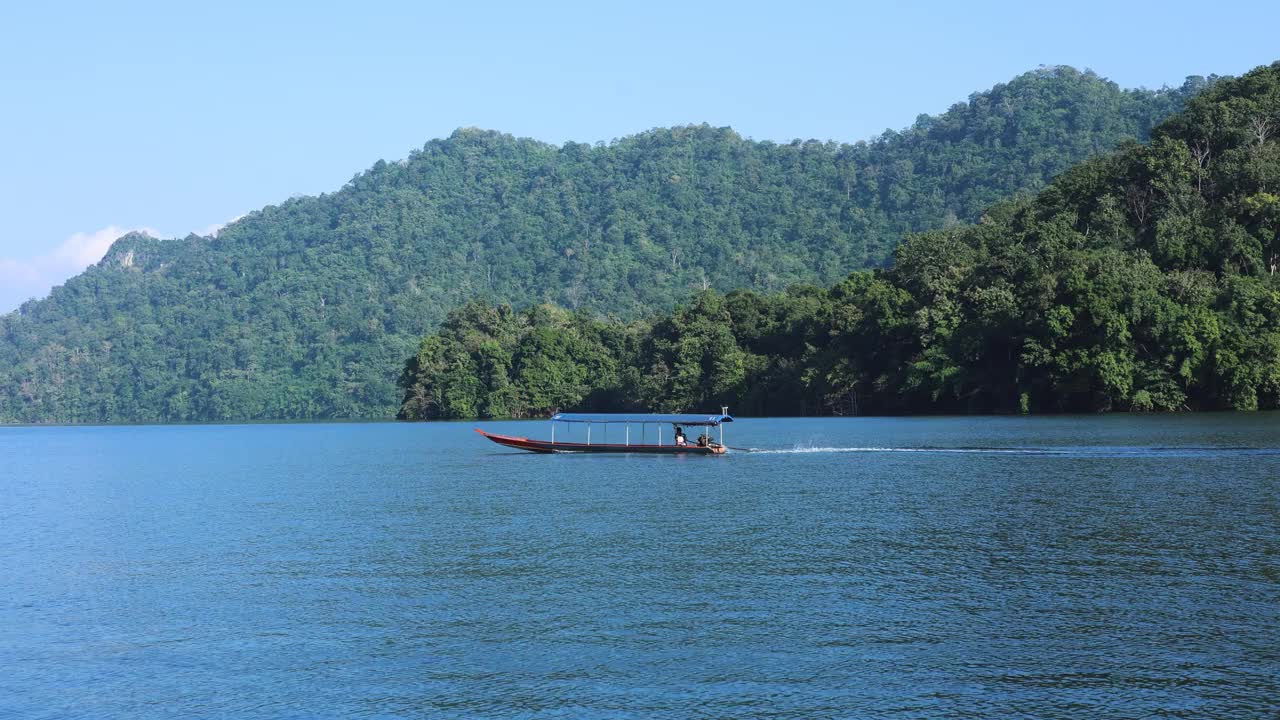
[{"x": 1078, "y": 451}]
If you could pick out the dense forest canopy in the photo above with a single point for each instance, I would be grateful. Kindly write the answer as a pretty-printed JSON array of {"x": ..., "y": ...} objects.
[
  {"x": 1147, "y": 279},
  {"x": 307, "y": 309}
]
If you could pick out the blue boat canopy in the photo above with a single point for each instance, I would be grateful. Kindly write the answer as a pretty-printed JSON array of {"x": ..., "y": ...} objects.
[{"x": 691, "y": 420}]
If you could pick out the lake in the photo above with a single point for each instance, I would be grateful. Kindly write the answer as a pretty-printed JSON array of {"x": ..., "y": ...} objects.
[{"x": 1057, "y": 567}]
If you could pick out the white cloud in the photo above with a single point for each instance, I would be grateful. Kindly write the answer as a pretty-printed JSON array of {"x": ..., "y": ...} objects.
[
  {"x": 23, "y": 279},
  {"x": 214, "y": 229}
]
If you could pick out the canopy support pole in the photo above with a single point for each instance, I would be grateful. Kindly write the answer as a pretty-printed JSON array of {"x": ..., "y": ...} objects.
[
  {"x": 553, "y": 432},
  {"x": 588, "y": 433},
  {"x": 628, "y": 434}
]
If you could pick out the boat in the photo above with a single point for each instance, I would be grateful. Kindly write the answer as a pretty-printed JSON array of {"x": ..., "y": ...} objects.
[{"x": 703, "y": 446}]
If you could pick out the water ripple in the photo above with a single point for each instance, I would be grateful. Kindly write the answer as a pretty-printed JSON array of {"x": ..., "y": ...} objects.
[{"x": 1010, "y": 567}]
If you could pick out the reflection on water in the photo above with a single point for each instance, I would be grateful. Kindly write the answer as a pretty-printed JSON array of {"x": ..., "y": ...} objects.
[{"x": 1044, "y": 567}]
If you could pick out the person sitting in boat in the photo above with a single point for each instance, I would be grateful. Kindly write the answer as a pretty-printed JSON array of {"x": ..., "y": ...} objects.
[
  {"x": 680, "y": 439},
  {"x": 703, "y": 440}
]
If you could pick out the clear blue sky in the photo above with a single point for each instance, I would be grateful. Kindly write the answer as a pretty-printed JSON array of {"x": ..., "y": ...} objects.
[{"x": 123, "y": 115}]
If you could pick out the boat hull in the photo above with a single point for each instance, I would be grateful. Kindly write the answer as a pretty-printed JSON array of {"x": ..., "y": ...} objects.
[{"x": 546, "y": 446}]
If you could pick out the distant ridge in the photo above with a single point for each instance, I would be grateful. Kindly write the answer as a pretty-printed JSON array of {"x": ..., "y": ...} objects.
[
  {"x": 1146, "y": 279},
  {"x": 307, "y": 309}
]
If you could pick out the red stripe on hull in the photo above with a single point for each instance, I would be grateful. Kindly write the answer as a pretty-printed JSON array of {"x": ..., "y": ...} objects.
[{"x": 544, "y": 446}]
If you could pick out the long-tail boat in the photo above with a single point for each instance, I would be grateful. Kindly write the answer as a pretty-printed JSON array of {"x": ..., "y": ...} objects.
[{"x": 675, "y": 445}]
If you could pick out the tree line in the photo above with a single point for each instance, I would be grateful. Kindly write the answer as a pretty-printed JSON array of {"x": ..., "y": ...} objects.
[
  {"x": 308, "y": 308},
  {"x": 1142, "y": 280}
]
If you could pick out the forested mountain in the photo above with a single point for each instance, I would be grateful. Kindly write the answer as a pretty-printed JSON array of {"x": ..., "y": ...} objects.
[
  {"x": 307, "y": 309},
  {"x": 1146, "y": 279}
]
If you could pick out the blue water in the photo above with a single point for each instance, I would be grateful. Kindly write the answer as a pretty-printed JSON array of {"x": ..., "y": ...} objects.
[{"x": 1119, "y": 567}]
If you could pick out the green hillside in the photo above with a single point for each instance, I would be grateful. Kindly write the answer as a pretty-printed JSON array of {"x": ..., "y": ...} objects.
[
  {"x": 307, "y": 309},
  {"x": 1147, "y": 280}
]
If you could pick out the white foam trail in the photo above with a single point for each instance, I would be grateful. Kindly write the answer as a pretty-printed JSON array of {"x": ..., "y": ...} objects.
[
  {"x": 805, "y": 450},
  {"x": 1084, "y": 452}
]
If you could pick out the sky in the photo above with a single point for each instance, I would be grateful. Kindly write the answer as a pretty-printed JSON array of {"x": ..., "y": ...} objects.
[{"x": 170, "y": 119}]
